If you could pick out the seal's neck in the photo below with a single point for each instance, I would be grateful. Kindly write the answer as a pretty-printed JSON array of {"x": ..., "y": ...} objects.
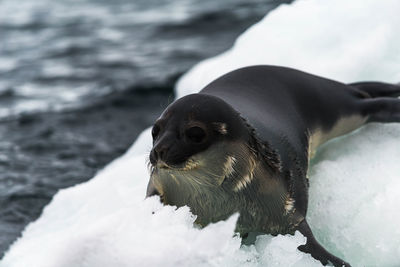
[{"x": 262, "y": 149}]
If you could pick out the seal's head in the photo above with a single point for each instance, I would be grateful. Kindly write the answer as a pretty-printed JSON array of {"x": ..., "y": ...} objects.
[
  {"x": 191, "y": 125},
  {"x": 199, "y": 143}
]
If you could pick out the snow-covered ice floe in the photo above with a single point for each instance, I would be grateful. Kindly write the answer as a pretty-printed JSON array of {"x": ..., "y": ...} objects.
[{"x": 355, "y": 180}]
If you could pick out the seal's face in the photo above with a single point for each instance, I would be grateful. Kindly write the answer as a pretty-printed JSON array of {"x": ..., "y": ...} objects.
[
  {"x": 191, "y": 125},
  {"x": 177, "y": 136},
  {"x": 196, "y": 142}
]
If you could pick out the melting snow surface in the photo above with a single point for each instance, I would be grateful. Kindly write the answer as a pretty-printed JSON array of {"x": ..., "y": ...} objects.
[{"x": 355, "y": 180}]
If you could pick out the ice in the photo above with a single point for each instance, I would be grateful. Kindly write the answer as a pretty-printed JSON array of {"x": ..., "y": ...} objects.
[
  {"x": 354, "y": 196},
  {"x": 355, "y": 180},
  {"x": 107, "y": 222}
]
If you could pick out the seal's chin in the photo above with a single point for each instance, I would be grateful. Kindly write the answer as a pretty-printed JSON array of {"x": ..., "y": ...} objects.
[{"x": 165, "y": 175}]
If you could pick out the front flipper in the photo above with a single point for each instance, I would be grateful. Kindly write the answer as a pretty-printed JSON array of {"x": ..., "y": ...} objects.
[{"x": 316, "y": 250}]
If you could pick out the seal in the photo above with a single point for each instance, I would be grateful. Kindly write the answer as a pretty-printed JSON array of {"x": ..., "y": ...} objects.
[{"x": 244, "y": 142}]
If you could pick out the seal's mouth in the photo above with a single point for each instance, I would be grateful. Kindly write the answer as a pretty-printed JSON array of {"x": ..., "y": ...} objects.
[
  {"x": 163, "y": 165},
  {"x": 189, "y": 164}
]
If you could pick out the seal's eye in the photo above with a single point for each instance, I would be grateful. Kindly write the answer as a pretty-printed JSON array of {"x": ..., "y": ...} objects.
[
  {"x": 155, "y": 131},
  {"x": 195, "y": 134}
]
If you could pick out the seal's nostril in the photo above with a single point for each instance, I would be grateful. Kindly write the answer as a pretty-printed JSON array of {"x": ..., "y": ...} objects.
[{"x": 160, "y": 152}]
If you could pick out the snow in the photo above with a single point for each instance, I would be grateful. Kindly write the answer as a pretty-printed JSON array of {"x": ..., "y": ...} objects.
[{"x": 355, "y": 179}]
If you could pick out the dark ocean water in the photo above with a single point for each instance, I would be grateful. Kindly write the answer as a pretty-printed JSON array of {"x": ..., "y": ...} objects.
[
  {"x": 57, "y": 54},
  {"x": 80, "y": 79}
]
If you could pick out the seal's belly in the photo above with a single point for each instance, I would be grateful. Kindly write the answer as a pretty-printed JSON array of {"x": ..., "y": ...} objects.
[{"x": 342, "y": 126}]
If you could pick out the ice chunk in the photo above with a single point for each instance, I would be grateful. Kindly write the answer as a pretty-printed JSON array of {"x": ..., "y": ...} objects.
[{"x": 354, "y": 196}]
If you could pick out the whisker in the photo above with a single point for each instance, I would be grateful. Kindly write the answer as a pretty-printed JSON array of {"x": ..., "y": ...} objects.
[{"x": 150, "y": 167}]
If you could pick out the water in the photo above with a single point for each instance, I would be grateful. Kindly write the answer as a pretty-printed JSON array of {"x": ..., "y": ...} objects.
[
  {"x": 79, "y": 80},
  {"x": 56, "y": 54}
]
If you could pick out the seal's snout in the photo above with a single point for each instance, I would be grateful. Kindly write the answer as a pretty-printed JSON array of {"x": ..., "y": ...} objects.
[
  {"x": 153, "y": 157},
  {"x": 158, "y": 153}
]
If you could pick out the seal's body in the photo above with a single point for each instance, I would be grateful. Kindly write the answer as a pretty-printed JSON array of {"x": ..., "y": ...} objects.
[{"x": 243, "y": 144}]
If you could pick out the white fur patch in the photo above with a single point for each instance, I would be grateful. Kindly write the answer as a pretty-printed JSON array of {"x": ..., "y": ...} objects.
[
  {"x": 191, "y": 164},
  {"x": 243, "y": 182},
  {"x": 248, "y": 178},
  {"x": 289, "y": 204},
  {"x": 221, "y": 127},
  {"x": 229, "y": 166}
]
